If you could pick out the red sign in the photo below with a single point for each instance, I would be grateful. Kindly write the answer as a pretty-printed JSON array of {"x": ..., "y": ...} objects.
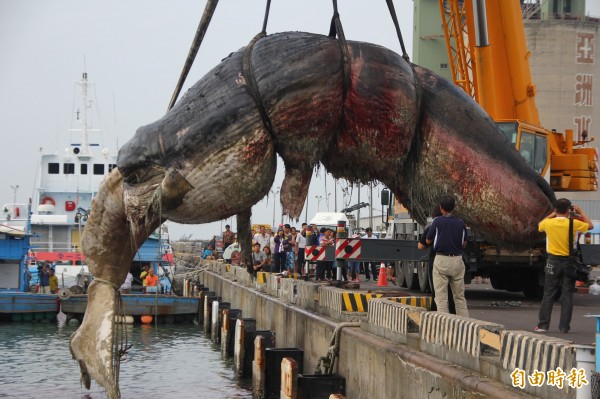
[
  {"x": 314, "y": 252},
  {"x": 348, "y": 248},
  {"x": 58, "y": 256}
]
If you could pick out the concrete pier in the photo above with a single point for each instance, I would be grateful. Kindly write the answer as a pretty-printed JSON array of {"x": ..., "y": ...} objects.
[{"x": 396, "y": 350}]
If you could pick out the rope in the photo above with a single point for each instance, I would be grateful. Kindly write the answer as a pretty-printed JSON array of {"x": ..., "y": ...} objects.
[
  {"x": 250, "y": 77},
  {"x": 266, "y": 18},
  {"x": 209, "y": 10},
  {"x": 390, "y": 4},
  {"x": 418, "y": 93},
  {"x": 120, "y": 345},
  {"x": 336, "y": 29},
  {"x": 101, "y": 280},
  {"x": 328, "y": 362},
  {"x": 252, "y": 85}
]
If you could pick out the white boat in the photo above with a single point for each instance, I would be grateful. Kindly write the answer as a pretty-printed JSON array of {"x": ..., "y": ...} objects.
[{"x": 66, "y": 185}]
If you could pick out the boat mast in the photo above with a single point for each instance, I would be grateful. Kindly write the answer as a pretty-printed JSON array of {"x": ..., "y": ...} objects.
[{"x": 85, "y": 146}]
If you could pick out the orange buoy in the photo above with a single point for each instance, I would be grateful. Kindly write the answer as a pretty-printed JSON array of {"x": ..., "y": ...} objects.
[{"x": 146, "y": 319}]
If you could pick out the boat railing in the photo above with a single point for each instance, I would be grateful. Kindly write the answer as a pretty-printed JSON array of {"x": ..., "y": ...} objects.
[{"x": 54, "y": 246}]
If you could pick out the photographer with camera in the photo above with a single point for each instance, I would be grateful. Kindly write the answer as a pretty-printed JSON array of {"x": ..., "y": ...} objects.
[{"x": 559, "y": 271}]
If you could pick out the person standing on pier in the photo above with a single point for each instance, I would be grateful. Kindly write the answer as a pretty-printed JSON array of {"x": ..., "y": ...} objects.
[
  {"x": 280, "y": 254},
  {"x": 560, "y": 274},
  {"x": 370, "y": 266},
  {"x": 300, "y": 247},
  {"x": 448, "y": 234},
  {"x": 227, "y": 236},
  {"x": 262, "y": 238}
]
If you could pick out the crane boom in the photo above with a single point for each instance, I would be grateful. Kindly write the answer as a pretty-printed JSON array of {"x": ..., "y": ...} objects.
[{"x": 489, "y": 59}]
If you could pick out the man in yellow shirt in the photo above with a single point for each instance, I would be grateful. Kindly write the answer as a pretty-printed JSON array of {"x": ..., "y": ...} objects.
[
  {"x": 53, "y": 282},
  {"x": 560, "y": 274},
  {"x": 143, "y": 274}
]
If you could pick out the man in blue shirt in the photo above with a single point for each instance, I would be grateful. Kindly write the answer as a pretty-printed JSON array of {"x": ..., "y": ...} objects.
[
  {"x": 449, "y": 236},
  {"x": 44, "y": 280}
]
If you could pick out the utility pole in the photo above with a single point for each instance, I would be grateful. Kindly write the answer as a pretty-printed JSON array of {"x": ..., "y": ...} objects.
[
  {"x": 306, "y": 209},
  {"x": 371, "y": 205},
  {"x": 274, "y": 204},
  {"x": 335, "y": 184},
  {"x": 358, "y": 213}
]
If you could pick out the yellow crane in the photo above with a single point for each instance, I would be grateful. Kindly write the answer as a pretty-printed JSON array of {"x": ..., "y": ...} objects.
[{"x": 489, "y": 59}]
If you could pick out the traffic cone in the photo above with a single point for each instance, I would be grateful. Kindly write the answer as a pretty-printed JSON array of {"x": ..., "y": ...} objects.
[{"x": 382, "y": 281}]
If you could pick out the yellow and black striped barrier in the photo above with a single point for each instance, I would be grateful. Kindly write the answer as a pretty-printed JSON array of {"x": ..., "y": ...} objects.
[
  {"x": 356, "y": 301},
  {"x": 261, "y": 277},
  {"x": 419, "y": 301}
]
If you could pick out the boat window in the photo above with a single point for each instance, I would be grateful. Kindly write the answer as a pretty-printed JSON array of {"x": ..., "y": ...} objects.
[
  {"x": 84, "y": 168},
  {"x": 111, "y": 166},
  {"x": 53, "y": 168},
  {"x": 98, "y": 168},
  {"x": 69, "y": 168}
]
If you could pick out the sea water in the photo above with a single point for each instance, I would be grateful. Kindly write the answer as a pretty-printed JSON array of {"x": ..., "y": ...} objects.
[{"x": 165, "y": 361}]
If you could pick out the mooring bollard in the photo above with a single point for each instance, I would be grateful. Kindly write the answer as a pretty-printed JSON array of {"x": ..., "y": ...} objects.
[
  {"x": 203, "y": 294},
  {"x": 208, "y": 301},
  {"x": 228, "y": 321},
  {"x": 214, "y": 316},
  {"x": 273, "y": 357},
  {"x": 289, "y": 378},
  {"x": 238, "y": 347},
  {"x": 242, "y": 327},
  {"x": 249, "y": 337},
  {"x": 258, "y": 369},
  {"x": 217, "y": 316}
]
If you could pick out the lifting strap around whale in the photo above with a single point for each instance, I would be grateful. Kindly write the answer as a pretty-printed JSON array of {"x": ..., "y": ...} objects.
[
  {"x": 336, "y": 29},
  {"x": 250, "y": 78}
]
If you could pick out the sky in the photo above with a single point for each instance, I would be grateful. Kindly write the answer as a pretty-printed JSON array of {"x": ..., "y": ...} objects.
[{"x": 134, "y": 51}]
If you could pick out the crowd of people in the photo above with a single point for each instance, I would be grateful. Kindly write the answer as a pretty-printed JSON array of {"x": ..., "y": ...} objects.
[
  {"x": 284, "y": 251},
  {"x": 148, "y": 278}
]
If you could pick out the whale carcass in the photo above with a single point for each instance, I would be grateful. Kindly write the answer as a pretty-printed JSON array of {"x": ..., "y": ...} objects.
[{"x": 214, "y": 154}]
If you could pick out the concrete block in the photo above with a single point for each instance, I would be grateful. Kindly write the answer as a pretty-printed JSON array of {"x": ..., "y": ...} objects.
[
  {"x": 261, "y": 281},
  {"x": 307, "y": 295},
  {"x": 393, "y": 320},
  {"x": 288, "y": 289},
  {"x": 460, "y": 340},
  {"x": 529, "y": 352},
  {"x": 272, "y": 287}
]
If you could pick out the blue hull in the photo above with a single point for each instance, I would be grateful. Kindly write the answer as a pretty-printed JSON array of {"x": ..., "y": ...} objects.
[
  {"x": 140, "y": 304},
  {"x": 22, "y": 302}
]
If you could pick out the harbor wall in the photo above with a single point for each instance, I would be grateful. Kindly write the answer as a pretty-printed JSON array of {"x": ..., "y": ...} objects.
[{"x": 415, "y": 357}]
